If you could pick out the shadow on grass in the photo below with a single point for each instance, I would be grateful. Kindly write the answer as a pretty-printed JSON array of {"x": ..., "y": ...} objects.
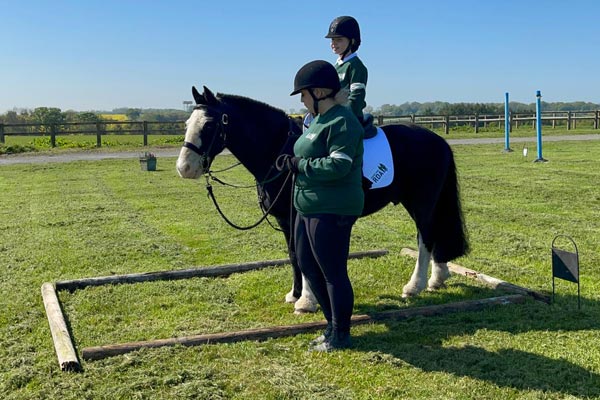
[{"x": 420, "y": 342}]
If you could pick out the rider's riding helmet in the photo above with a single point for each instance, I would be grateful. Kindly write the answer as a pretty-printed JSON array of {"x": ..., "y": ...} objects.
[
  {"x": 348, "y": 27},
  {"x": 316, "y": 74}
]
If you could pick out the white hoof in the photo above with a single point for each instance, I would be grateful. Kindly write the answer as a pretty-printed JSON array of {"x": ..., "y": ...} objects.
[
  {"x": 290, "y": 298},
  {"x": 438, "y": 286},
  {"x": 410, "y": 291},
  {"x": 438, "y": 280},
  {"x": 304, "y": 305}
]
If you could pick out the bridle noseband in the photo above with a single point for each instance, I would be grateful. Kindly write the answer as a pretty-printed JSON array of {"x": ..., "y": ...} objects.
[{"x": 222, "y": 134}]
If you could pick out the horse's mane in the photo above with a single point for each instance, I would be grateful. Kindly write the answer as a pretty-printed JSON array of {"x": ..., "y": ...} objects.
[{"x": 251, "y": 106}]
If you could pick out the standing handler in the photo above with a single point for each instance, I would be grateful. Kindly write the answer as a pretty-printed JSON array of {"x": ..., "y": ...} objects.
[{"x": 328, "y": 196}]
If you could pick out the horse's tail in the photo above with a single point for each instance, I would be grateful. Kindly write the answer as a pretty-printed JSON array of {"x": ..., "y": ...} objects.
[{"x": 450, "y": 233}]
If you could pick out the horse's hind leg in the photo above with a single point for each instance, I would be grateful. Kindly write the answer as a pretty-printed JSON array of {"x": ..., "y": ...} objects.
[
  {"x": 439, "y": 274},
  {"x": 418, "y": 280}
]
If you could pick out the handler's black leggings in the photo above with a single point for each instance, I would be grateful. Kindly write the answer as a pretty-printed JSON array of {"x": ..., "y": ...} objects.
[{"x": 322, "y": 246}]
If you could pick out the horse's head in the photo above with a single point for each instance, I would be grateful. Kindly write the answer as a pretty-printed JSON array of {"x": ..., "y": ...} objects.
[{"x": 204, "y": 136}]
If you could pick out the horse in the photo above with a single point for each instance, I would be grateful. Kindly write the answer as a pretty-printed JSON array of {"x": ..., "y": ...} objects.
[{"x": 425, "y": 180}]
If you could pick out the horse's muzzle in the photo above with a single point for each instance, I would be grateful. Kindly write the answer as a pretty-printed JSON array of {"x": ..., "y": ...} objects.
[{"x": 191, "y": 165}]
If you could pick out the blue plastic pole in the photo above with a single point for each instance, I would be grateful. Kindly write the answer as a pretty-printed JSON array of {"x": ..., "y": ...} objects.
[
  {"x": 538, "y": 111},
  {"x": 506, "y": 124}
]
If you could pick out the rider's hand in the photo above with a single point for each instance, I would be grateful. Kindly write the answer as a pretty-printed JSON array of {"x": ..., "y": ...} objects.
[{"x": 286, "y": 162}]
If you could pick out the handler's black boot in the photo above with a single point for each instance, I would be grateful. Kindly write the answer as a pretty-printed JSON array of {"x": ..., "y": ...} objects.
[
  {"x": 326, "y": 335},
  {"x": 337, "y": 341}
]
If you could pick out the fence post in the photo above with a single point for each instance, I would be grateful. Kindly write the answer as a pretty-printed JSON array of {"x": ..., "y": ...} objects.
[
  {"x": 595, "y": 119},
  {"x": 447, "y": 123},
  {"x": 380, "y": 120},
  {"x": 569, "y": 120},
  {"x": 412, "y": 118},
  {"x": 476, "y": 123},
  {"x": 98, "y": 135},
  {"x": 145, "y": 129},
  {"x": 2, "y": 130},
  {"x": 53, "y": 135}
]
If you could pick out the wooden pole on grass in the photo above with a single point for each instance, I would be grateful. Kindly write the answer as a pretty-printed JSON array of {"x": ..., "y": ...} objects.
[
  {"x": 222, "y": 270},
  {"x": 487, "y": 280},
  {"x": 67, "y": 358},
  {"x": 101, "y": 352}
]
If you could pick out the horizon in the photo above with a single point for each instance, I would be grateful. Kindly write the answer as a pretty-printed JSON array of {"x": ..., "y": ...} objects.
[{"x": 108, "y": 55}]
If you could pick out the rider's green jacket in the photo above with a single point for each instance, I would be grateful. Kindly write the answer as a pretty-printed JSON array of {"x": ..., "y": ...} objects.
[
  {"x": 353, "y": 76},
  {"x": 329, "y": 180}
]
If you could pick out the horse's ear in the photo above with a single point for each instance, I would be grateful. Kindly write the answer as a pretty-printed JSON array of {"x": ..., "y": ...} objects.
[
  {"x": 197, "y": 96},
  {"x": 209, "y": 96}
]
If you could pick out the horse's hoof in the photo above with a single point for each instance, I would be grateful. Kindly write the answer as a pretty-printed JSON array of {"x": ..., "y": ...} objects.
[
  {"x": 410, "y": 291},
  {"x": 289, "y": 298},
  {"x": 434, "y": 288},
  {"x": 306, "y": 309}
]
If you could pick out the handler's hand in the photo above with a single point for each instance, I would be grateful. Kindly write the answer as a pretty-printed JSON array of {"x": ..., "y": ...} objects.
[{"x": 285, "y": 162}]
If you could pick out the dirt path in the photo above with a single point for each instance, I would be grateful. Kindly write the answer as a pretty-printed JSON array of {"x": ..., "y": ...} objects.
[{"x": 35, "y": 158}]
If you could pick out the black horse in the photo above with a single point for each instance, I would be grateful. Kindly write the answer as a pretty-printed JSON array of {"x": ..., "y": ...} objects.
[{"x": 425, "y": 180}]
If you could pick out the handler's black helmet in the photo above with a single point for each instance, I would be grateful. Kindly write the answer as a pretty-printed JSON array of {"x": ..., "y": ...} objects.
[
  {"x": 316, "y": 74},
  {"x": 345, "y": 26}
]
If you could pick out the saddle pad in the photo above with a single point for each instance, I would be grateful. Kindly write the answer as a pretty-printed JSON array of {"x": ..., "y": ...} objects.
[{"x": 378, "y": 164}]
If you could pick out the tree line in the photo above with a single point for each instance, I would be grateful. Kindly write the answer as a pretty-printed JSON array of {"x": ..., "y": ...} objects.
[
  {"x": 444, "y": 108},
  {"x": 53, "y": 115}
]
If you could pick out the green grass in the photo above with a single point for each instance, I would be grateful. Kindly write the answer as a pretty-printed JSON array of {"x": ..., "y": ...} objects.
[{"x": 85, "y": 219}]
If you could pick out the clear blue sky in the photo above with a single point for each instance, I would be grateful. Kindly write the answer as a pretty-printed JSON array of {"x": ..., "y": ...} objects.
[{"x": 100, "y": 55}]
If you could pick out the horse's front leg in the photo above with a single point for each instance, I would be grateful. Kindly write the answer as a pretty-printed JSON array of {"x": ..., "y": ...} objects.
[
  {"x": 307, "y": 303},
  {"x": 301, "y": 295},
  {"x": 418, "y": 280}
]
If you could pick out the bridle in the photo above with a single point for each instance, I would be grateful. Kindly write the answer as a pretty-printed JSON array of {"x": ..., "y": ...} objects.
[
  {"x": 224, "y": 122},
  {"x": 222, "y": 134}
]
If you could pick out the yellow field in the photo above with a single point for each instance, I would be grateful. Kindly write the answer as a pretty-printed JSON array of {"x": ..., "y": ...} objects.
[{"x": 114, "y": 117}]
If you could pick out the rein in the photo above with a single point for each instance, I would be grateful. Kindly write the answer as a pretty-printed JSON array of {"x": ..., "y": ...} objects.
[{"x": 265, "y": 214}]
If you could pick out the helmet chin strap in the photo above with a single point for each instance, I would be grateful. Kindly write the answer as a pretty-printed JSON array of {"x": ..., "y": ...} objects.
[
  {"x": 316, "y": 100},
  {"x": 347, "y": 51}
]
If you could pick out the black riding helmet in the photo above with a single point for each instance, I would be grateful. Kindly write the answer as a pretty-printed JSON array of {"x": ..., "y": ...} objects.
[
  {"x": 348, "y": 27},
  {"x": 317, "y": 74}
]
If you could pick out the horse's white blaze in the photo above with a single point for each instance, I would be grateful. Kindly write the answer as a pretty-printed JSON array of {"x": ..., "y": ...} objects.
[{"x": 188, "y": 163}]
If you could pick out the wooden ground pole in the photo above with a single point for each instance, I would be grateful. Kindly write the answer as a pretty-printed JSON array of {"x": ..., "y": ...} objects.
[
  {"x": 220, "y": 270},
  {"x": 65, "y": 351},
  {"x": 101, "y": 352}
]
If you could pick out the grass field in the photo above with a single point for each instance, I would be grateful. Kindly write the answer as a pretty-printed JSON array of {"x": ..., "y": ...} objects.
[{"x": 85, "y": 219}]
